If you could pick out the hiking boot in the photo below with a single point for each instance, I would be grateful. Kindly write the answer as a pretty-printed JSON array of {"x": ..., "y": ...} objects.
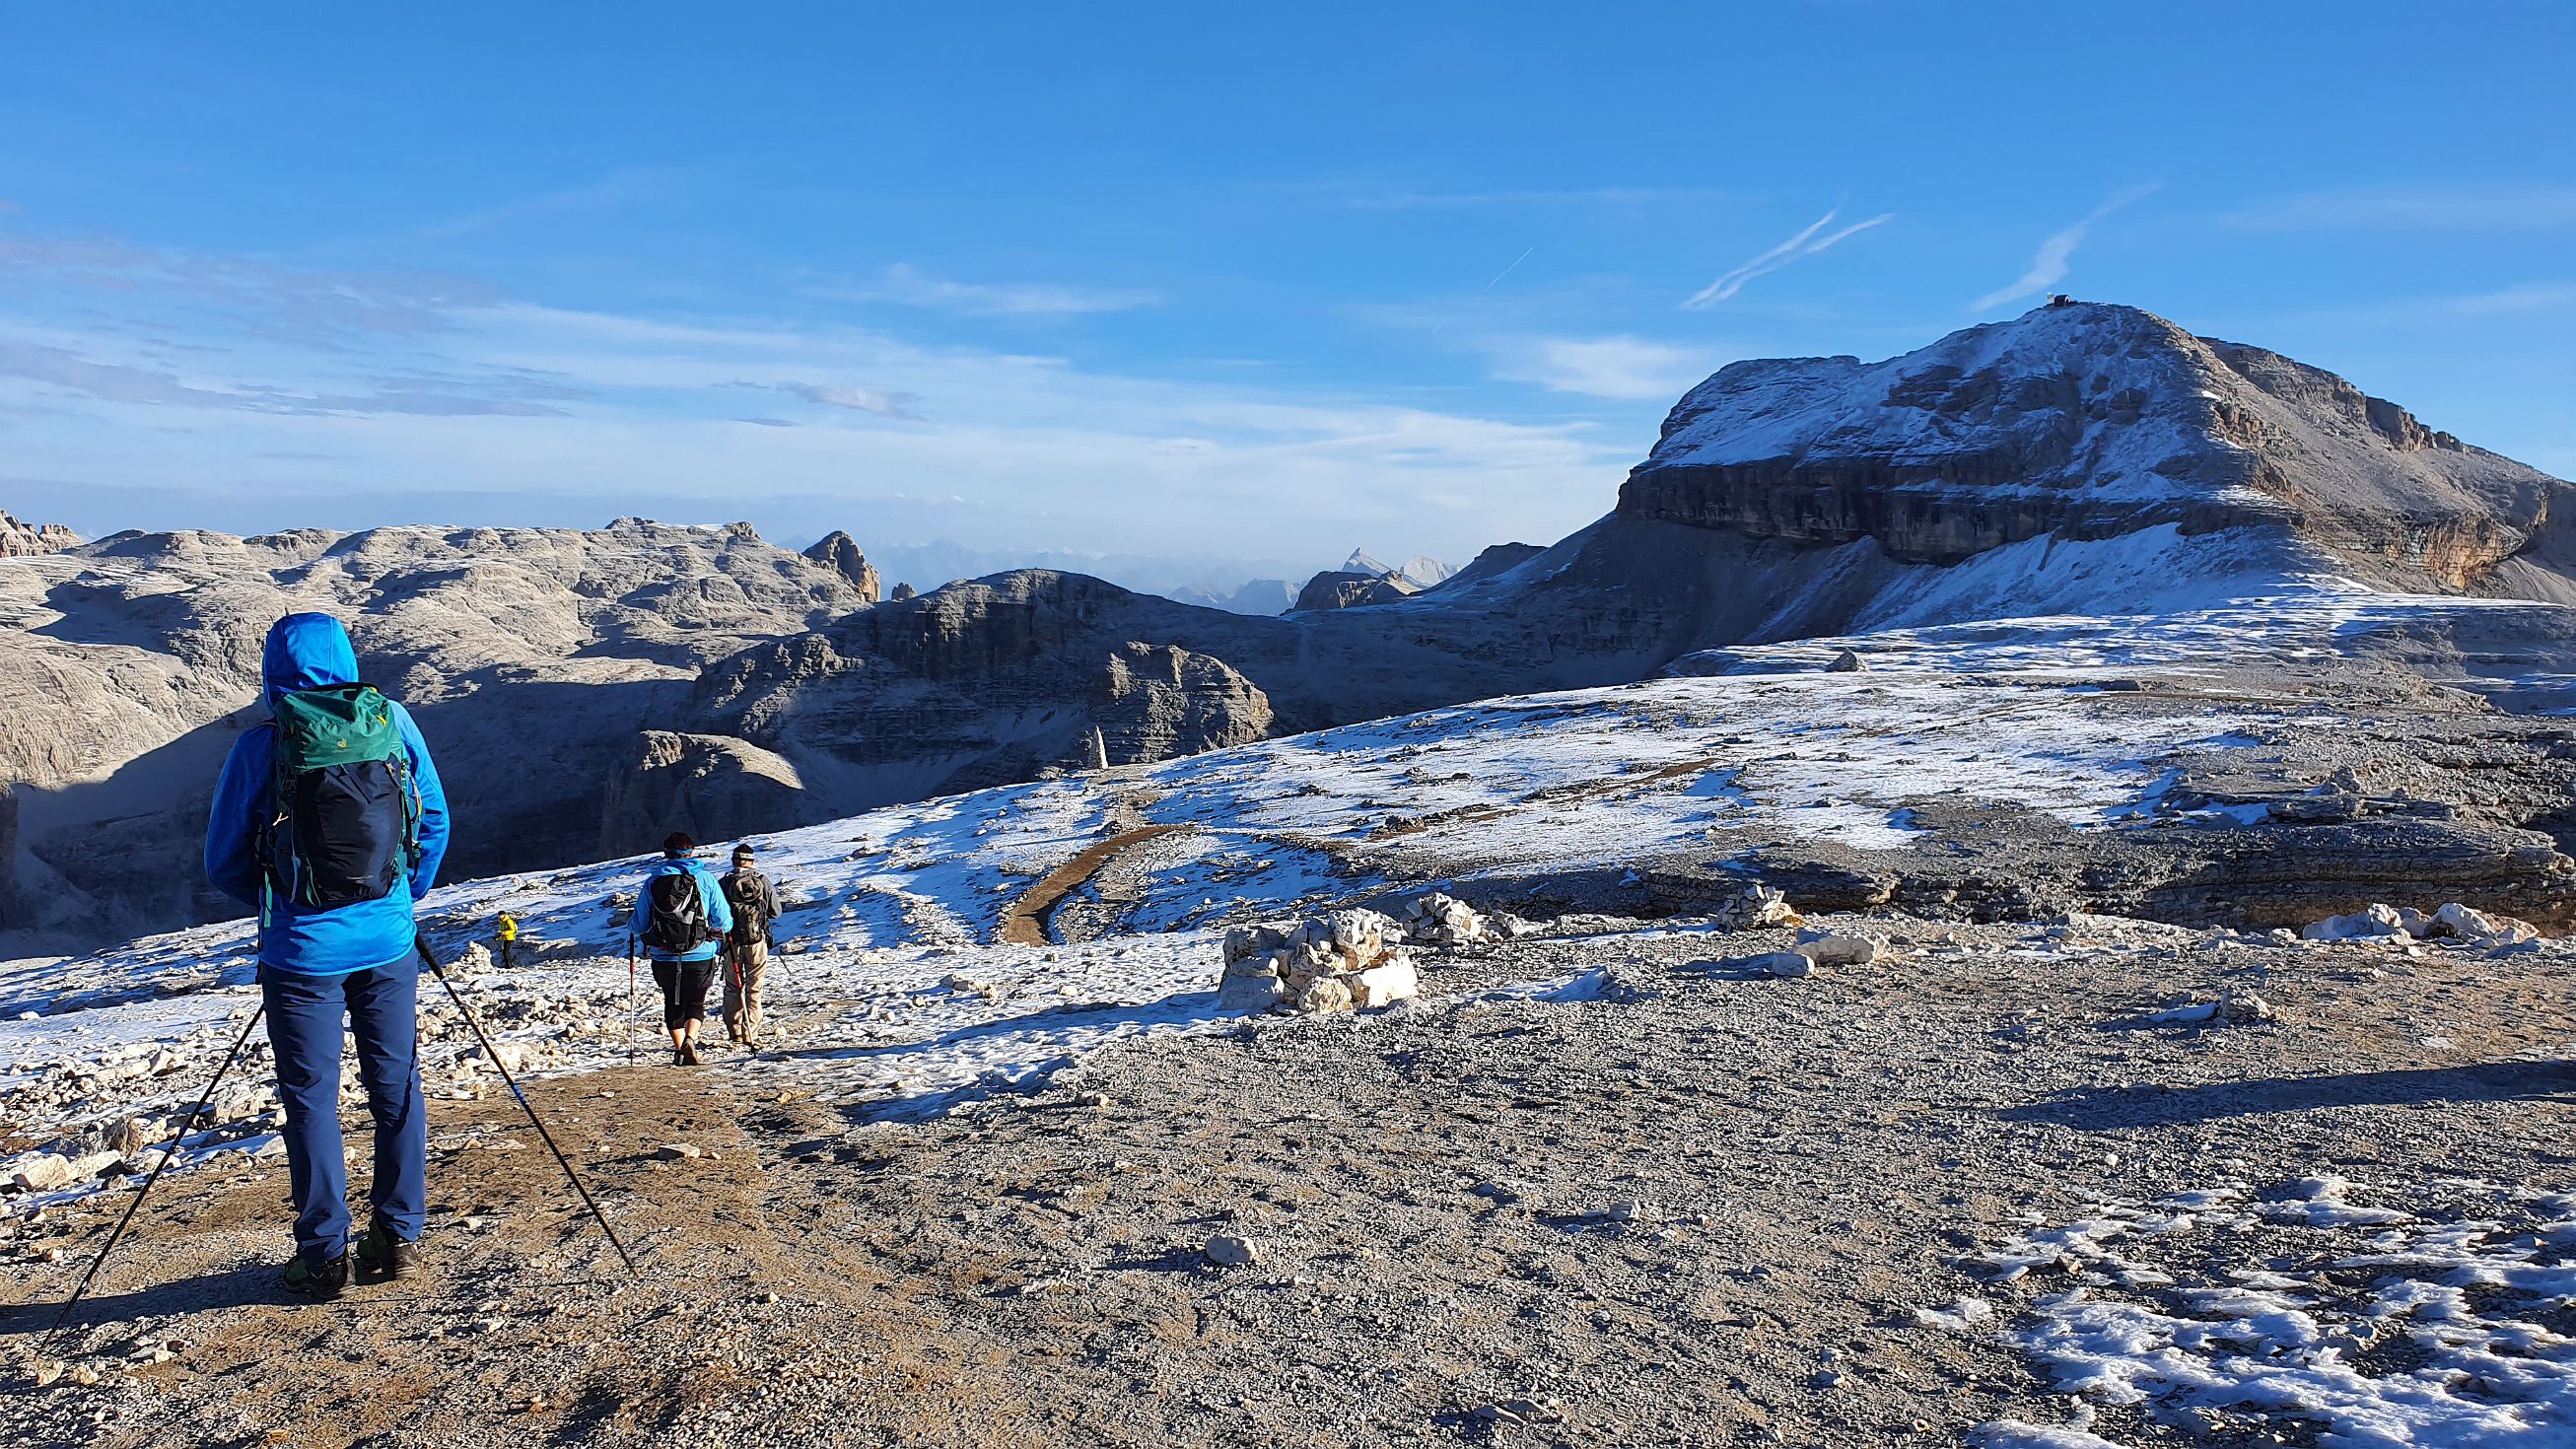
[
  {"x": 320, "y": 1282},
  {"x": 679, "y": 1056},
  {"x": 385, "y": 1255}
]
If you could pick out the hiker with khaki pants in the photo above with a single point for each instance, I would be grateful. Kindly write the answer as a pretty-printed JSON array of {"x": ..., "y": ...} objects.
[{"x": 755, "y": 905}]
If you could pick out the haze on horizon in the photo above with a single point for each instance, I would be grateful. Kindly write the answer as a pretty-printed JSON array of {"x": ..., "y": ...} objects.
[{"x": 1243, "y": 285}]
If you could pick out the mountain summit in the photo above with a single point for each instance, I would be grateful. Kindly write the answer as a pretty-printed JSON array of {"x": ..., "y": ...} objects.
[{"x": 2086, "y": 421}]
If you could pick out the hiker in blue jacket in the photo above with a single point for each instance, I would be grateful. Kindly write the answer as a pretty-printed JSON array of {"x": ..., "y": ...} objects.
[
  {"x": 329, "y": 821},
  {"x": 680, "y": 918}
]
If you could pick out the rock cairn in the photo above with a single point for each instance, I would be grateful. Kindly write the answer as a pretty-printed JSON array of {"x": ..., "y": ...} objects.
[
  {"x": 1758, "y": 907},
  {"x": 1441, "y": 920},
  {"x": 1345, "y": 961}
]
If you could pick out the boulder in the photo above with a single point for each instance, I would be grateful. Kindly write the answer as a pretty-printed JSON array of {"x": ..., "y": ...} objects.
[
  {"x": 1829, "y": 948},
  {"x": 42, "y": 1172},
  {"x": 1238, "y": 992},
  {"x": 2459, "y": 922},
  {"x": 2379, "y": 922},
  {"x": 1390, "y": 981}
]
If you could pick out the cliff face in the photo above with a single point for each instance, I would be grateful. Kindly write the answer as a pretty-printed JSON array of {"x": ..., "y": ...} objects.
[
  {"x": 2084, "y": 421},
  {"x": 531, "y": 657},
  {"x": 17, "y": 540},
  {"x": 839, "y": 552}
]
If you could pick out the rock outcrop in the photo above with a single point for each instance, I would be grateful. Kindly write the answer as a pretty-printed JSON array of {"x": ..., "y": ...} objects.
[
  {"x": 1340, "y": 589},
  {"x": 20, "y": 539},
  {"x": 715, "y": 788},
  {"x": 839, "y": 552},
  {"x": 1156, "y": 701}
]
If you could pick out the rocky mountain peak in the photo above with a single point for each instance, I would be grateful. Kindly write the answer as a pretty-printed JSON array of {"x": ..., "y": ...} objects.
[
  {"x": 19, "y": 540},
  {"x": 2086, "y": 421},
  {"x": 839, "y": 552}
]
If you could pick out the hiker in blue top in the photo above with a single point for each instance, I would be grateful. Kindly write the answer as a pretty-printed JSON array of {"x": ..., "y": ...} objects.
[
  {"x": 329, "y": 821},
  {"x": 681, "y": 917}
]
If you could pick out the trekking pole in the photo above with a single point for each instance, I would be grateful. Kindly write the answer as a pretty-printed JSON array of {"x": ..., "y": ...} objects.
[
  {"x": 205, "y": 1099},
  {"x": 631, "y": 1022},
  {"x": 421, "y": 943}
]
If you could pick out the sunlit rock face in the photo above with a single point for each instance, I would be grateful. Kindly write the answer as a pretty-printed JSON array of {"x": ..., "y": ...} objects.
[{"x": 2085, "y": 421}]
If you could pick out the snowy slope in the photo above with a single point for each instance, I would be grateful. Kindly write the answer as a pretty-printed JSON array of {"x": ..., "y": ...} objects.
[{"x": 895, "y": 993}]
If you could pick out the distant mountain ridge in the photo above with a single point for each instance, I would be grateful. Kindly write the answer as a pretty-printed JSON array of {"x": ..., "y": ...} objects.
[{"x": 2085, "y": 459}]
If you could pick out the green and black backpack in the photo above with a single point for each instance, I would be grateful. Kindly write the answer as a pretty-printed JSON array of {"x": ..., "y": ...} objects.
[{"x": 344, "y": 815}]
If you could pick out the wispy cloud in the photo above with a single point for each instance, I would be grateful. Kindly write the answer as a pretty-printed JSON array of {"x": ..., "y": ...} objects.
[
  {"x": 261, "y": 297},
  {"x": 2049, "y": 266},
  {"x": 1629, "y": 369},
  {"x": 2527, "y": 208},
  {"x": 1805, "y": 244},
  {"x": 850, "y": 397},
  {"x": 619, "y": 188},
  {"x": 116, "y": 371},
  {"x": 1364, "y": 196},
  {"x": 501, "y": 395},
  {"x": 909, "y": 286}
]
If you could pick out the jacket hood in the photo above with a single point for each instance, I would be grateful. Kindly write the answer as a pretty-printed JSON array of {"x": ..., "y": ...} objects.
[{"x": 306, "y": 651}]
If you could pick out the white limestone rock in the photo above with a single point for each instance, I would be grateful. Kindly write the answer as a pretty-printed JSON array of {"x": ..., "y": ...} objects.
[
  {"x": 1831, "y": 948},
  {"x": 1390, "y": 981},
  {"x": 1250, "y": 993},
  {"x": 2378, "y": 923},
  {"x": 41, "y": 1172},
  {"x": 2459, "y": 922}
]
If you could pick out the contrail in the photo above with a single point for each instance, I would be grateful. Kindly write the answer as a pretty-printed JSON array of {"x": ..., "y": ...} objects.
[
  {"x": 1507, "y": 271},
  {"x": 1804, "y": 244},
  {"x": 2049, "y": 266}
]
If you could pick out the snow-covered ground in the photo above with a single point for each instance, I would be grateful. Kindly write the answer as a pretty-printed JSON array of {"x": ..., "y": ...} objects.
[
  {"x": 2436, "y": 1315},
  {"x": 902, "y": 996}
]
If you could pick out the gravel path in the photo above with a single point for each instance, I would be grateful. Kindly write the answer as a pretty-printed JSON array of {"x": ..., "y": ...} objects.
[{"x": 1661, "y": 1204}]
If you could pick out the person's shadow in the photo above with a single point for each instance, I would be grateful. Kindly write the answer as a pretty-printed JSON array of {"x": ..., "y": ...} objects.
[
  {"x": 224, "y": 1288},
  {"x": 2093, "y": 1109}
]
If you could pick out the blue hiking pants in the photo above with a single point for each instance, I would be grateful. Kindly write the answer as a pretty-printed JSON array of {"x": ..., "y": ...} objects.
[{"x": 304, "y": 1015}]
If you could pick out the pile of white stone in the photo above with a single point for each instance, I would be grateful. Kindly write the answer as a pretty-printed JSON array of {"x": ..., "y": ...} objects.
[
  {"x": 1440, "y": 920},
  {"x": 1758, "y": 907},
  {"x": 2397, "y": 925},
  {"x": 1348, "y": 960},
  {"x": 1815, "y": 948}
]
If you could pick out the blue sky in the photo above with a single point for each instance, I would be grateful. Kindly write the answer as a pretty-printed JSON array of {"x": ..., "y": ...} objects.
[{"x": 1249, "y": 283}]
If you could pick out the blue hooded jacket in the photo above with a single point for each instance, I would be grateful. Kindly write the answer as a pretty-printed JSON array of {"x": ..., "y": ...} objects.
[
  {"x": 311, "y": 651},
  {"x": 711, "y": 898}
]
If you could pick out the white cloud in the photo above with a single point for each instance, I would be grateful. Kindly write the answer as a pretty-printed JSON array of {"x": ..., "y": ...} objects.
[
  {"x": 850, "y": 396},
  {"x": 1805, "y": 244},
  {"x": 647, "y": 413},
  {"x": 1624, "y": 368},
  {"x": 909, "y": 286},
  {"x": 2049, "y": 266}
]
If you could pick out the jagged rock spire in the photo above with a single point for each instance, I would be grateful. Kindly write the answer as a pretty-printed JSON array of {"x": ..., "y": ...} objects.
[{"x": 839, "y": 552}]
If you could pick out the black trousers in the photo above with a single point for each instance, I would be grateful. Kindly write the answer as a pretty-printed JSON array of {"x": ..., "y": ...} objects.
[{"x": 684, "y": 990}]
